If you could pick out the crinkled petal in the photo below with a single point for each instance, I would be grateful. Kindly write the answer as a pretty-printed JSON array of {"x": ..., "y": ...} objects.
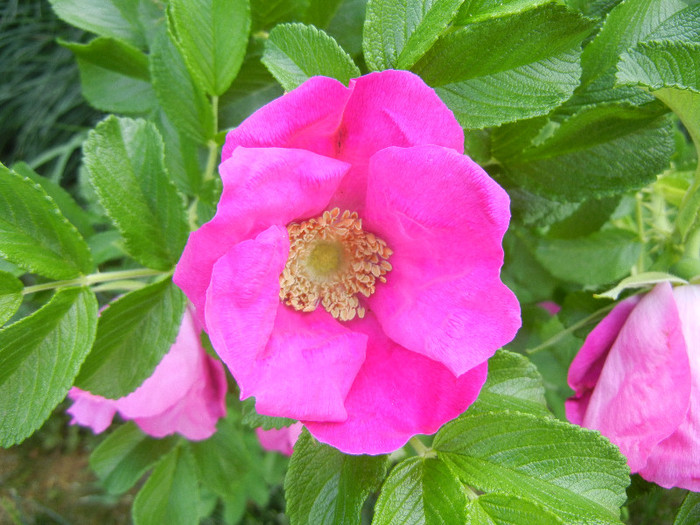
[
  {"x": 586, "y": 367},
  {"x": 396, "y": 395},
  {"x": 262, "y": 187},
  {"x": 643, "y": 391},
  {"x": 306, "y": 118},
  {"x": 390, "y": 108},
  {"x": 675, "y": 462},
  {"x": 297, "y": 365},
  {"x": 179, "y": 369},
  {"x": 195, "y": 415},
  {"x": 444, "y": 297},
  {"x": 89, "y": 410}
]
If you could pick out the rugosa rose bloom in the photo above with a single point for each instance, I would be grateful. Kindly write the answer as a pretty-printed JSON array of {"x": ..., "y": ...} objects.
[
  {"x": 350, "y": 276},
  {"x": 637, "y": 381},
  {"x": 185, "y": 394},
  {"x": 280, "y": 440}
]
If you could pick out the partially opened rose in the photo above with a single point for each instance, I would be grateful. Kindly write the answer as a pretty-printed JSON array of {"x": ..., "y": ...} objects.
[
  {"x": 350, "y": 277},
  {"x": 185, "y": 394},
  {"x": 637, "y": 380}
]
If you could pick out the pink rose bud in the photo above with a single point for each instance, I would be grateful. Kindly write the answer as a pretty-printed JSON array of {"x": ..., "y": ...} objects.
[
  {"x": 350, "y": 278},
  {"x": 185, "y": 394},
  {"x": 637, "y": 381}
]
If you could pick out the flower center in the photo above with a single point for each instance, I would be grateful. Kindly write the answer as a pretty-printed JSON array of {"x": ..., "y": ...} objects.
[{"x": 331, "y": 260}]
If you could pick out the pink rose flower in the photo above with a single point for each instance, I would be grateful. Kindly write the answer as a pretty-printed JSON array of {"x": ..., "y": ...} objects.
[
  {"x": 280, "y": 440},
  {"x": 185, "y": 394},
  {"x": 350, "y": 278},
  {"x": 637, "y": 381}
]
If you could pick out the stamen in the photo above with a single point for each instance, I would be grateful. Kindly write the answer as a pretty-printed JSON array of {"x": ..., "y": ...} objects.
[{"x": 331, "y": 260}]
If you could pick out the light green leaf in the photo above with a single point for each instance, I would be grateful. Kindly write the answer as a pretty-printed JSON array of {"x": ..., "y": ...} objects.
[
  {"x": 600, "y": 258},
  {"x": 39, "y": 357},
  {"x": 513, "y": 383},
  {"x": 324, "y": 486},
  {"x": 576, "y": 473},
  {"x": 127, "y": 453},
  {"x": 420, "y": 491},
  {"x": 183, "y": 101},
  {"x": 640, "y": 280},
  {"x": 124, "y": 160},
  {"x": 683, "y": 25},
  {"x": 397, "y": 34},
  {"x": 689, "y": 513},
  {"x": 114, "y": 76},
  {"x": 213, "y": 36},
  {"x": 661, "y": 65},
  {"x": 295, "y": 52},
  {"x": 33, "y": 233},
  {"x": 10, "y": 296},
  {"x": 473, "y": 11},
  {"x": 507, "y": 509},
  {"x": 112, "y": 18},
  {"x": 171, "y": 494},
  {"x": 133, "y": 335}
]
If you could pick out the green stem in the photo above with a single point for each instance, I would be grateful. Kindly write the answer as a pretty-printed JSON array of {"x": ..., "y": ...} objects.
[
  {"x": 213, "y": 146},
  {"x": 94, "y": 278},
  {"x": 560, "y": 335},
  {"x": 640, "y": 229},
  {"x": 420, "y": 448}
]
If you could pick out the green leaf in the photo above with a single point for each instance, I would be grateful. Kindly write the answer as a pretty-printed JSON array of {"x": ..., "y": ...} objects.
[
  {"x": 133, "y": 335},
  {"x": 321, "y": 12},
  {"x": 600, "y": 258},
  {"x": 507, "y": 509},
  {"x": 641, "y": 280},
  {"x": 171, "y": 494},
  {"x": 33, "y": 233},
  {"x": 124, "y": 160},
  {"x": 114, "y": 76},
  {"x": 10, "y": 296},
  {"x": 255, "y": 420},
  {"x": 324, "y": 486},
  {"x": 213, "y": 36},
  {"x": 661, "y": 65},
  {"x": 513, "y": 383},
  {"x": 574, "y": 472},
  {"x": 112, "y": 18},
  {"x": 346, "y": 25},
  {"x": 420, "y": 490},
  {"x": 683, "y": 25},
  {"x": 183, "y": 101},
  {"x": 295, "y": 52},
  {"x": 268, "y": 13},
  {"x": 689, "y": 513},
  {"x": 397, "y": 34},
  {"x": 39, "y": 357},
  {"x": 127, "y": 453}
]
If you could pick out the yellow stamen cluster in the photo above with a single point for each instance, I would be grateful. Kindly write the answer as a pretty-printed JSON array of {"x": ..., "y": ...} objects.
[{"x": 331, "y": 260}]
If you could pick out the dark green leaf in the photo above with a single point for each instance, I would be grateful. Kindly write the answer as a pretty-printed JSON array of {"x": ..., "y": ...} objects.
[
  {"x": 114, "y": 76},
  {"x": 268, "y": 13},
  {"x": 575, "y": 473},
  {"x": 133, "y": 335},
  {"x": 397, "y": 34},
  {"x": 600, "y": 258},
  {"x": 507, "y": 509},
  {"x": 689, "y": 513},
  {"x": 10, "y": 296},
  {"x": 171, "y": 494},
  {"x": 255, "y": 420},
  {"x": 33, "y": 233},
  {"x": 213, "y": 35},
  {"x": 295, "y": 52},
  {"x": 183, "y": 101},
  {"x": 127, "y": 453},
  {"x": 420, "y": 490},
  {"x": 588, "y": 217},
  {"x": 39, "y": 357},
  {"x": 321, "y": 12},
  {"x": 124, "y": 160},
  {"x": 346, "y": 25},
  {"x": 513, "y": 383},
  {"x": 324, "y": 486}
]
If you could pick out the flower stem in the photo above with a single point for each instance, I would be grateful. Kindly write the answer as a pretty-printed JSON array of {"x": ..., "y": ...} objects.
[
  {"x": 94, "y": 278},
  {"x": 420, "y": 448}
]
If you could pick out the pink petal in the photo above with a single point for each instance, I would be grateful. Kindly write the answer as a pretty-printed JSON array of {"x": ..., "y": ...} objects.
[
  {"x": 295, "y": 364},
  {"x": 390, "y": 108},
  {"x": 675, "y": 462},
  {"x": 586, "y": 367},
  {"x": 397, "y": 394},
  {"x": 279, "y": 440},
  {"x": 306, "y": 118},
  {"x": 262, "y": 187},
  {"x": 643, "y": 391},
  {"x": 89, "y": 410},
  {"x": 444, "y": 297}
]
